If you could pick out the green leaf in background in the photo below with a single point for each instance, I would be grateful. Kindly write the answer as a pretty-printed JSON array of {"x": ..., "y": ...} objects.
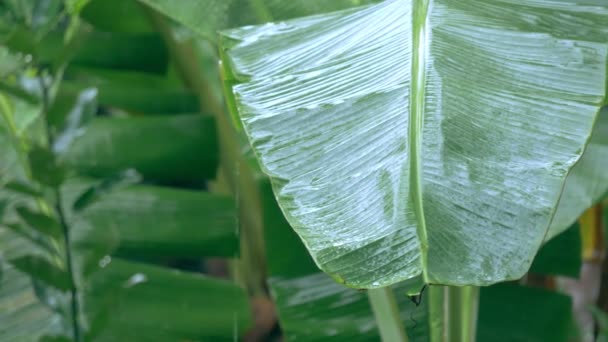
[
  {"x": 514, "y": 313},
  {"x": 407, "y": 138},
  {"x": 561, "y": 255},
  {"x": 44, "y": 167},
  {"x": 135, "y": 92},
  {"x": 55, "y": 339},
  {"x": 602, "y": 319},
  {"x": 22, "y": 316},
  {"x": 18, "y": 91},
  {"x": 160, "y": 222},
  {"x": 123, "y": 51},
  {"x": 98, "y": 189},
  {"x": 41, "y": 223},
  {"x": 123, "y": 16},
  {"x": 33, "y": 236},
  {"x": 204, "y": 17},
  {"x": 175, "y": 148},
  {"x": 587, "y": 183},
  {"x": 41, "y": 269},
  {"x": 22, "y": 188},
  {"x": 69, "y": 114},
  {"x": 40, "y": 16},
  {"x": 158, "y": 304}
]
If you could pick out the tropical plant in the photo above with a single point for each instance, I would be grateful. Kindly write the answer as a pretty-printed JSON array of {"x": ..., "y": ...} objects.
[{"x": 412, "y": 145}]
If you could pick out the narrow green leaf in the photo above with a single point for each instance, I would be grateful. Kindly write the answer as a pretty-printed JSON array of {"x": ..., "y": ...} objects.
[
  {"x": 19, "y": 92},
  {"x": 41, "y": 269},
  {"x": 36, "y": 238},
  {"x": 68, "y": 115},
  {"x": 42, "y": 223},
  {"x": 432, "y": 131},
  {"x": 177, "y": 148},
  {"x": 93, "y": 193},
  {"x": 23, "y": 188},
  {"x": 44, "y": 167}
]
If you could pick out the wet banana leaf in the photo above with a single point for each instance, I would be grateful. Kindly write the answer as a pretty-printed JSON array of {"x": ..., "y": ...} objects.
[
  {"x": 425, "y": 136},
  {"x": 587, "y": 183}
]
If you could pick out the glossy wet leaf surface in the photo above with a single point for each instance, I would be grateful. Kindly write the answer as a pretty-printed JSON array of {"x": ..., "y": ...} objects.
[
  {"x": 427, "y": 137},
  {"x": 587, "y": 183},
  {"x": 313, "y": 307}
]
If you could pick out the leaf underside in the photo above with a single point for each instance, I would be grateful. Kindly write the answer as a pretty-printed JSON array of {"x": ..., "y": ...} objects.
[
  {"x": 587, "y": 182},
  {"x": 425, "y": 137}
]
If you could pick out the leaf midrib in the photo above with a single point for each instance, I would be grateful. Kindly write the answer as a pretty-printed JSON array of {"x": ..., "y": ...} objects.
[{"x": 416, "y": 118}]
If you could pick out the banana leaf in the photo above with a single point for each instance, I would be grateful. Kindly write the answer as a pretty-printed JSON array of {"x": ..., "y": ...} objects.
[
  {"x": 313, "y": 307},
  {"x": 422, "y": 137},
  {"x": 587, "y": 182}
]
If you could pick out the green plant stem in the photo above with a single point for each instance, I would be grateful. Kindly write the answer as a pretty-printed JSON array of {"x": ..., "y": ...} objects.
[
  {"x": 453, "y": 313},
  {"x": 74, "y": 303},
  {"x": 387, "y": 315},
  {"x": 234, "y": 174},
  {"x": 437, "y": 307},
  {"x": 69, "y": 260}
]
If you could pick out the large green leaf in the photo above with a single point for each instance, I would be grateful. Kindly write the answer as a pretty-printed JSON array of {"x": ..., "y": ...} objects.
[
  {"x": 427, "y": 137},
  {"x": 587, "y": 183}
]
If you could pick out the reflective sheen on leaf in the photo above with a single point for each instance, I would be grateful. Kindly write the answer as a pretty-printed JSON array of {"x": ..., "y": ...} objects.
[
  {"x": 427, "y": 137},
  {"x": 587, "y": 183}
]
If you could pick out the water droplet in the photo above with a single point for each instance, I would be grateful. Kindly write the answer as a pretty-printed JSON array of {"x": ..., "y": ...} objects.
[
  {"x": 135, "y": 279},
  {"x": 105, "y": 261}
]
